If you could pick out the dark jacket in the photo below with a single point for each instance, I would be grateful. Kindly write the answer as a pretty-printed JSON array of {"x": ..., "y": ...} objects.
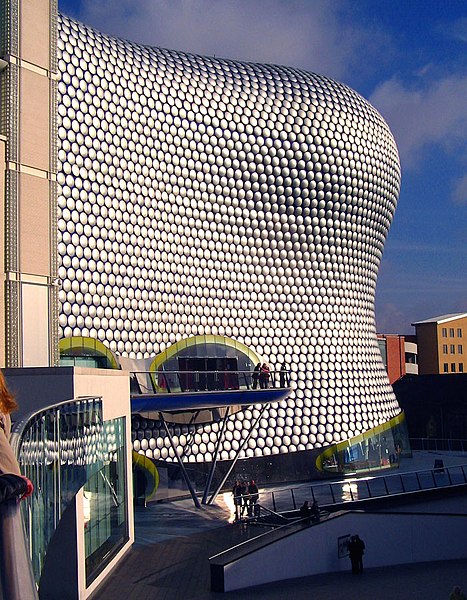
[
  {"x": 253, "y": 491},
  {"x": 12, "y": 486}
]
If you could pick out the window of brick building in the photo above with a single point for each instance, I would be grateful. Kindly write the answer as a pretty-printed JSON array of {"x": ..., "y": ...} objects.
[
  {"x": 459, "y": 349},
  {"x": 445, "y": 348},
  {"x": 459, "y": 332},
  {"x": 451, "y": 332},
  {"x": 445, "y": 368},
  {"x": 461, "y": 367},
  {"x": 453, "y": 367},
  {"x": 452, "y": 348},
  {"x": 444, "y": 332}
]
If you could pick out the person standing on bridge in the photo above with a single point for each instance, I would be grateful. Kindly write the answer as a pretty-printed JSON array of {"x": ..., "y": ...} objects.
[
  {"x": 284, "y": 375},
  {"x": 264, "y": 376},
  {"x": 255, "y": 376}
]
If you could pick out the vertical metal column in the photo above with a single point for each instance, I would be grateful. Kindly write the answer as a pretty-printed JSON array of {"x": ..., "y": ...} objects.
[
  {"x": 242, "y": 445},
  {"x": 214, "y": 462},
  {"x": 180, "y": 462}
]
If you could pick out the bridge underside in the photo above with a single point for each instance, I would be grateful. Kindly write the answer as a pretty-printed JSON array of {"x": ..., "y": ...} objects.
[
  {"x": 189, "y": 401},
  {"x": 204, "y": 406}
]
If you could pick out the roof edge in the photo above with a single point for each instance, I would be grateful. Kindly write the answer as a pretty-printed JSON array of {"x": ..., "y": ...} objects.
[{"x": 441, "y": 319}]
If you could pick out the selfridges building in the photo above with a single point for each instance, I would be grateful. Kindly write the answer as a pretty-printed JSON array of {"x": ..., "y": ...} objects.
[{"x": 210, "y": 208}]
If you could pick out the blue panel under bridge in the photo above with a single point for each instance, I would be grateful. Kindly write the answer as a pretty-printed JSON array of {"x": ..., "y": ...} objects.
[
  {"x": 189, "y": 401},
  {"x": 164, "y": 397}
]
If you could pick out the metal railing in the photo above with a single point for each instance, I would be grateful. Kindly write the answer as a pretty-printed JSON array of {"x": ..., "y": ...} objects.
[
  {"x": 351, "y": 490},
  {"x": 438, "y": 444},
  {"x": 153, "y": 382},
  {"x": 262, "y": 515}
]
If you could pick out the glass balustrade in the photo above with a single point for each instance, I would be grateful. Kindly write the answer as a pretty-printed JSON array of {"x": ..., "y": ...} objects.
[
  {"x": 105, "y": 511},
  {"x": 165, "y": 381},
  {"x": 61, "y": 449}
]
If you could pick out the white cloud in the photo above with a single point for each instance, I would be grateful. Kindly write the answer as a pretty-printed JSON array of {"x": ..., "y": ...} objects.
[
  {"x": 460, "y": 191},
  {"x": 409, "y": 246},
  {"x": 390, "y": 318},
  {"x": 435, "y": 114},
  {"x": 316, "y": 36},
  {"x": 457, "y": 29},
  {"x": 405, "y": 298}
]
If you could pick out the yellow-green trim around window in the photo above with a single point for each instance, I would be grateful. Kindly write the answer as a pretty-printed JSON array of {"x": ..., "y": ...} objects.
[
  {"x": 174, "y": 349},
  {"x": 201, "y": 339},
  {"x": 335, "y": 448},
  {"x": 91, "y": 344},
  {"x": 149, "y": 468}
]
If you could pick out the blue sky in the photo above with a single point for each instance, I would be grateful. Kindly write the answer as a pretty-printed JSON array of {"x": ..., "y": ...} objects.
[{"x": 408, "y": 57}]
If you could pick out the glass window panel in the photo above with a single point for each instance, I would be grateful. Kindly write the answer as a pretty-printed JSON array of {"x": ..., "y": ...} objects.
[
  {"x": 204, "y": 365},
  {"x": 105, "y": 510},
  {"x": 377, "y": 451},
  {"x": 34, "y": 314},
  {"x": 382, "y": 349},
  {"x": 60, "y": 451}
]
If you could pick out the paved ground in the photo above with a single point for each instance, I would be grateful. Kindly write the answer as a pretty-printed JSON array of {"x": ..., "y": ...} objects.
[{"x": 174, "y": 541}]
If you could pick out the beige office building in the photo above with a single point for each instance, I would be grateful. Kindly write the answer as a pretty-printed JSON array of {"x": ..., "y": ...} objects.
[
  {"x": 28, "y": 164},
  {"x": 441, "y": 344}
]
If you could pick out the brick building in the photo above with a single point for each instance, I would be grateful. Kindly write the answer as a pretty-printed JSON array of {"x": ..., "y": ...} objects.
[{"x": 399, "y": 354}]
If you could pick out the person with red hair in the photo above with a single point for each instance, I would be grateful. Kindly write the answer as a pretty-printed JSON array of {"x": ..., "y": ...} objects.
[{"x": 8, "y": 462}]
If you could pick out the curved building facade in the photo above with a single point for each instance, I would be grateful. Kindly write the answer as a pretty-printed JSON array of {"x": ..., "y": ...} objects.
[{"x": 207, "y": 197}]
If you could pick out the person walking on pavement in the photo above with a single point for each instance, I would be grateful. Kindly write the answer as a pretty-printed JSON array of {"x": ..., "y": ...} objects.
[
  {"x": 244, "y": 501},
  {"x": 315, "y": 516},
  {"x": 356, "y": 550},
  {"x": 253, "y": 498},
  {"x": 457, "y": 594},
  {"x": 238, "y": 499},
  {"x": 305, "y": 512}
]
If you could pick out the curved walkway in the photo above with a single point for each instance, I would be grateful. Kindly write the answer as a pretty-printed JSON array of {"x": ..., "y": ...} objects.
[
  {"x": 174, "y": 541},
  {"x": 170, "y": 562}
]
